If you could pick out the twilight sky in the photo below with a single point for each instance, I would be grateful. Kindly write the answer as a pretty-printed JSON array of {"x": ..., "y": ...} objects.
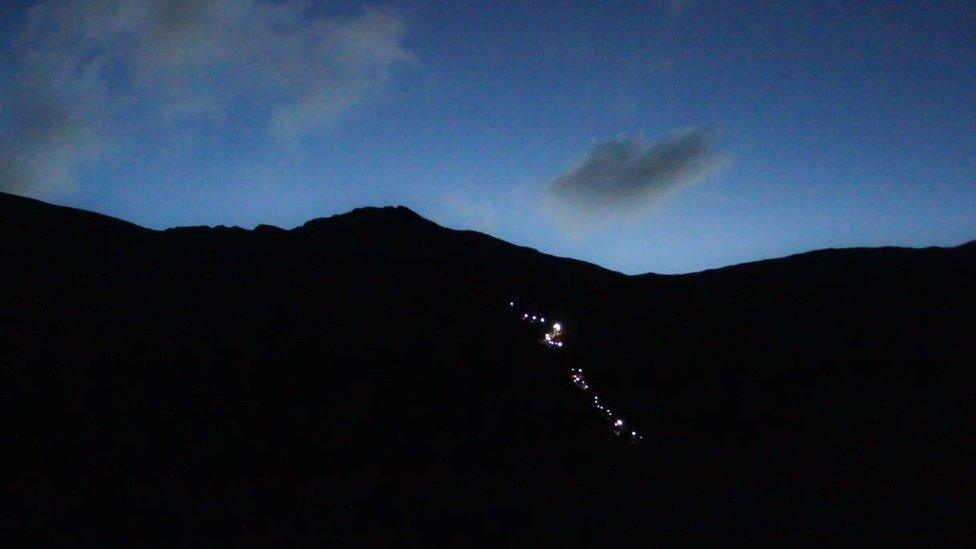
[{"x": 665, "y": 136}]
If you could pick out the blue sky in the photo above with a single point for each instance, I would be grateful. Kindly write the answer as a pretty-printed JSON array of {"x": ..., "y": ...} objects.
[{"x": 642, "y": 136}]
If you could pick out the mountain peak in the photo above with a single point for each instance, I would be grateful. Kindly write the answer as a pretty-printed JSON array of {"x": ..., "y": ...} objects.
[
  {"x": 372, "y": 214},
  {"x": 388, "y": 211}
]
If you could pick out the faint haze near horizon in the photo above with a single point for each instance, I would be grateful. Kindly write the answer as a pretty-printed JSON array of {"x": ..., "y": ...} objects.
[{"x": 668, "y": 136}]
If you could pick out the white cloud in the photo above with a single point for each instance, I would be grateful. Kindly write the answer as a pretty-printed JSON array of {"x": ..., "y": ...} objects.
[{"x": 86, "y": 75}]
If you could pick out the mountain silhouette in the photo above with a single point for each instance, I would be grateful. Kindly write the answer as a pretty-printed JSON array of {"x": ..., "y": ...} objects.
[{"x": 363, "y": 377}]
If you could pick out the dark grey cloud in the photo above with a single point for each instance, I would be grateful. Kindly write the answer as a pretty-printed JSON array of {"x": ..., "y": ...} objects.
[
  {"x": 173, "y": 16},
  {"x": 41, "y": 133},
  {"x": 84, "y": 73},
  {"x": 622, "y": 178}
]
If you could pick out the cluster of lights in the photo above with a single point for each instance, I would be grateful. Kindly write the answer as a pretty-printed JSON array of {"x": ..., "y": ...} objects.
[
  {"x": 618, "y": 426},
  {"x": 553, "y": 338},
  {"x": 576, "y": 376}
]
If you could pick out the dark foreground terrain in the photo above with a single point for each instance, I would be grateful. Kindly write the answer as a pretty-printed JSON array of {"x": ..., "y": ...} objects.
[{"x": 361, "y": 378}]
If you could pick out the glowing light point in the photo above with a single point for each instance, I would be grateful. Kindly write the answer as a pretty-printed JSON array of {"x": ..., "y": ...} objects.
[
  {"x": 618, "y": 423},
  {"x": 557, "y": 327}
]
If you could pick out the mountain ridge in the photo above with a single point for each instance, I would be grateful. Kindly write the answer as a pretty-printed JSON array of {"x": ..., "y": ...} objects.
[{"x": 406, "y": 216}]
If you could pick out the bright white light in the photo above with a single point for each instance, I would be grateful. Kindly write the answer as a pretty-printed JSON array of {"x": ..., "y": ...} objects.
[{"x": 618, "y": 423}]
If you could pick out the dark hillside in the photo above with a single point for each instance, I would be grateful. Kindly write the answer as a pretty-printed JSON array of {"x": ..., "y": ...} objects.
[{"x": 362, "y": 377}]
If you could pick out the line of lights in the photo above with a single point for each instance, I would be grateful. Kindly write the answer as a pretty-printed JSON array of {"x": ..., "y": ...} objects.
[{"x": 553, "y": 339}]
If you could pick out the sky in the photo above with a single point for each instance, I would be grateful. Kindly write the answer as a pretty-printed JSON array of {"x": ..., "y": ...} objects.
[{"x": 663, "y": 136}]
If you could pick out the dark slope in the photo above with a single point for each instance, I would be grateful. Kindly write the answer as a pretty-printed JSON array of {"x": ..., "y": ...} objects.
[{"x": 360, "y": 377}]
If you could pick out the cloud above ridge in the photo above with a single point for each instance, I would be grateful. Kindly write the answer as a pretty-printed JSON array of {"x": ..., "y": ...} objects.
[
  {"x": 623, "y": 178},
  {"x": 86, "y": 78}
]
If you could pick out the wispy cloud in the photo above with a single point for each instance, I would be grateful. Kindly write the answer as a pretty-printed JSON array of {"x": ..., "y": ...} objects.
[
  {"x": 87, "y": 76},
  {"x": 623, "y": 178}
]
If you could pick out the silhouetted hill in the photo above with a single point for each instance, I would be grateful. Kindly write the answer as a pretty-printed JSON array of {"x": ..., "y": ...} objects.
[{"x": 361, "y": 377}]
